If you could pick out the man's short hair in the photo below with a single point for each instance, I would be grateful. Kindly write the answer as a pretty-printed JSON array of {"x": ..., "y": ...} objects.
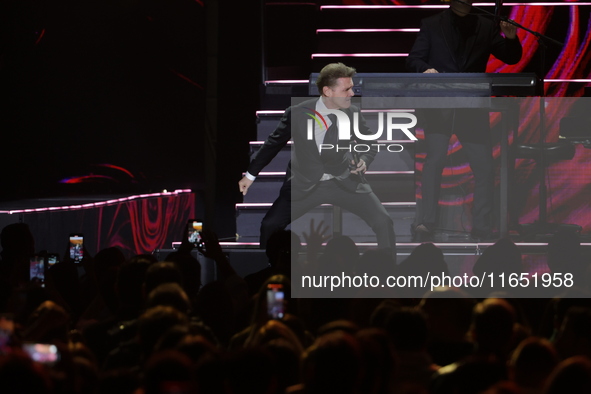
[{"x": 330, "y": 73}]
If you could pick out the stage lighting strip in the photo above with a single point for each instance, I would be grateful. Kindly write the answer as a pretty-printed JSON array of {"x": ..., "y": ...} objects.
[
  {"x": 391, "y": 55},
  {"x": 450, "y": 245},
  {"x": 374, "y": 7},
  {"x": 548, "y": 80},
  {"x": 379, "y": 142},
  {"x": 444, "y": 246},
  {"x": 268, "y": 204},
  {"x": 288, "y": 81},
  {"x": 473, "y": 247},
  {"x": 315, "y": 55},
  {"x": 262, "y": 142},
  {"x": 272, "y": 111},
  {"x": 281, "y": 112},
  {"x": 98, "y": 204},
  {"x": 282, "y": 173},
  {"x": 409, "y": 30},
  {"x": 568, "y": 80}
]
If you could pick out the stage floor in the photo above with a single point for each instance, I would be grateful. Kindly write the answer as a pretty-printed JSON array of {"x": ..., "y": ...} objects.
[{"x": 144, "y": 223}]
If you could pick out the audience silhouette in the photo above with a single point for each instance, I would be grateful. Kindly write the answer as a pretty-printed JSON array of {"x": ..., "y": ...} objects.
[{"x": 146, "y": 326}]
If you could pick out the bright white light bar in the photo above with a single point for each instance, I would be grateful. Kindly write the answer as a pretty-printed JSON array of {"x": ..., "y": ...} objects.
[
  {"x": 389, "y": 172},
  {"x": 269, "y": 204},
  {"x": 253, "y": 204},
  {"x": 262, "y": 142},
  {"x": 270, "y": 112},
  {"x": 379, "y": 142},
  {"x": 443, "y": 246},
  {"x": 177, "y": 244},
  {"x": 272, "y": 173},
  {"x": 314, "y": 55},
  {"x": 568, "y": 80},
  {"x": 273, "y": 112},
  {"x": 376, "y": 7},
  {"x": 222, "y": 244},
  {"x": 373, "y": 7},
  {"x": 409, "y": 30},
  {"x": 387, "y": 110},
  {"x": 96, "y": 204},
  {"x": 282, "y": 173},
  {"x": 287, "y": 81},
  {"x": 539, "y": 4}
]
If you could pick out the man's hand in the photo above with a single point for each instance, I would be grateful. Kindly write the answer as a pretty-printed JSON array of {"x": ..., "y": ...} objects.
[
  {"x": 509, "y": 30},
  {"x": 361, "y": 167},
  {"x": 431, "y": 71},
  {"x": 244, "y": 184}
]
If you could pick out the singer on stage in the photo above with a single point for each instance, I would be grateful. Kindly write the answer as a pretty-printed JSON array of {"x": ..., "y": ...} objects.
[
  {"x": 458, "y": 40},
  {"x": 317, "y": 175}
]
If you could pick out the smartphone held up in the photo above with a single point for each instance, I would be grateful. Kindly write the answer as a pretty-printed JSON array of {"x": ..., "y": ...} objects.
[
  {"x": 76, "y": 248},
  {"x": 275, "y": 301},
  {"x": 194, "y": 229}
]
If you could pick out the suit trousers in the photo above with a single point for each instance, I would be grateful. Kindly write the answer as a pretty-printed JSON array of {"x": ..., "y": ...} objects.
[
  {"x": 472, "y": 128},
  {"x": 365, "y": 205}
]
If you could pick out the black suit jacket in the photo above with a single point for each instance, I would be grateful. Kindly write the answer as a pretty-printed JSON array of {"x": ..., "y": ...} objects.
[
  {"x": 306, "y": 167},
  {"x": 433, "y": 47}
]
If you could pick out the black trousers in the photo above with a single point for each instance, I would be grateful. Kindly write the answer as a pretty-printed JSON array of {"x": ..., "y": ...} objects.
[
  {"x": 365, "y": 205},
  {"x": 472, "y": 128}
]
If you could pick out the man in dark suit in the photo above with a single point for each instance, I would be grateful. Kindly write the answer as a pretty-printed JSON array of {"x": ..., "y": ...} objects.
[
  {"x": 458, "y": 41},
  {"x": 318, "y": 172}
]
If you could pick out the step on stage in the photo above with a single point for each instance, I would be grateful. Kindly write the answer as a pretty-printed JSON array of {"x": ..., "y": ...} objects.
[
  {"x": 247, "y": 257},
  {"x": 155, "y": 222}
]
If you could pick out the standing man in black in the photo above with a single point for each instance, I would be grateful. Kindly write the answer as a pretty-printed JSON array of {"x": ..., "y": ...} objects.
[
  {"x": 458, "y": 41},
  {"x": 318, "y": 172}
]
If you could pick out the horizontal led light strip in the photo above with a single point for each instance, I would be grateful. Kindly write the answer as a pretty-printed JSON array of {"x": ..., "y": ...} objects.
[
  {"x": 376, "y": 7},
  {"x": 315, "y": 55},
  {"x": 269, "y": 204},
  {"x": 96, "y": 204},
  {"x": 282, "y": 173},
  {"x": 288, "y": 81},
  {"x": 568, "y": 80},
  {"x": 262, "y": 142},
  {"x": 441, "y": 245},
  {"x": 270, "y": 112},
  {"x": 409, "y": 30},
  {"x": 281, "y": 112},
  {"x": 369, "y": 7},
  {"x": 379, "y": 142},
  {"x": 536, "y": 4},
  {"x": 273, "y": 112}
]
